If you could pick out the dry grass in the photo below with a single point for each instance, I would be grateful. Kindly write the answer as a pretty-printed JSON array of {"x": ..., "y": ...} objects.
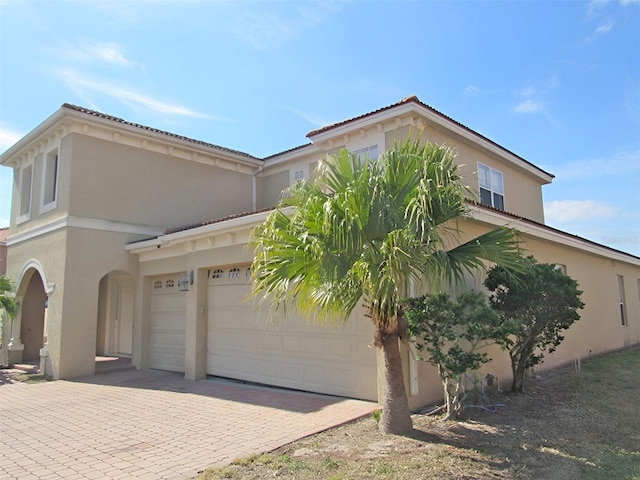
[{"x": 567, "y": 426}]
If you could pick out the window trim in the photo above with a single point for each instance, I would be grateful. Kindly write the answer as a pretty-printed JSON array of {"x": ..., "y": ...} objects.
[
  {"x": 623, "y": 302},
  {"x": 365, "y": 152},
  {"x": 492, "y": 190},
  {"x": 53, "y": 154},
  {"x": 23, "y": 217}
]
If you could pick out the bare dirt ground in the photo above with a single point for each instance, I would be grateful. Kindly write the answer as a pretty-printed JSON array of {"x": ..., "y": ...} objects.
[{"x": 568, "y": 425}]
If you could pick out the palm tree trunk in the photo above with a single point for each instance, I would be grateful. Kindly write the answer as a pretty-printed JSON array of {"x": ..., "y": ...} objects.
[{"x": 395, "y": 418}]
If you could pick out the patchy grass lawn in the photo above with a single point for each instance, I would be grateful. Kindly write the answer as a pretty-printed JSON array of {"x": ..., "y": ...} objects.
[{"x": 567, "y": 426}]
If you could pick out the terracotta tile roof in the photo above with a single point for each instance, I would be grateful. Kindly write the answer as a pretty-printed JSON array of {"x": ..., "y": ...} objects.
[
  {"x": 155, "y": 130},
  {"x": 299, "y": 147},
  {"x": 217, "y": 220},
  {"x": 474, "y": 204},
  {"x": 4, "y": 234},
  {"x": 414, "y": 99}
]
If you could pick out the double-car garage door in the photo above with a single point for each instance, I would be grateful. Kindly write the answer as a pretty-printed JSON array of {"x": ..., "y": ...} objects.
[{"x": 243, "y": 344}]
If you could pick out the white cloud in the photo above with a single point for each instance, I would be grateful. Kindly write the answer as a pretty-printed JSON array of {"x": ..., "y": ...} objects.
[
  {"x": 90, "y": 50},
  {"x": 629, "y": 2},
  {"x": 577, "y": 210},
  {"x": 594, "y": 7},
  {"x": 474, "y": 91},
  {"x": 82, "y": 86},
  {"x": 8, "y": 137},
  {"x": 529, "y": 106},
  {"x": 599, "y": 31},
  {"x": 471, "y": 90},
  {"x": 532, "y": 98},
  {"x": 312, "y": 119}
]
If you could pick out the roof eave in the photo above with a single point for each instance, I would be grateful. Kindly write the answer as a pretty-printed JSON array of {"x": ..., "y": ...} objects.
[
  {"x": 25, "y": 142},
  {"x": 414, "y": 106}
]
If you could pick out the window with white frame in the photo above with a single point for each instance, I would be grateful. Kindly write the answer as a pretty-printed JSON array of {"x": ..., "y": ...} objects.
[
  {"x": 491, "y": 185},
  {"x": 561, "y": 268},
  {"x": 370, "y": 152},
  {"x": 25, "y": 185},
  {"x": 50, "y": 181},
  {"x": 623, "y": 303}
]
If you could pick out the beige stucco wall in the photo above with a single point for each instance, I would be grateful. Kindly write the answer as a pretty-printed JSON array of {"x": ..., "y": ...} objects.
[
  {"x": 270, "y": 188},
  {"x": 48, "y": 253},
  {"x": 598, "y": 330},
  {"x": 523, "y": 192},
  {"x": 118, "y": 182},
  {"x": 73, "y": 261}
]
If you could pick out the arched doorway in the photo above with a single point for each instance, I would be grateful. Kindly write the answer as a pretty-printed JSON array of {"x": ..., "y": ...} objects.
[
  {"x": 115, "y": 315},
  {"x": 33, "y": 308}
]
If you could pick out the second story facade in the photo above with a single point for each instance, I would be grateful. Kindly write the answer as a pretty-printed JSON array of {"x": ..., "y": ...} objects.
[{"x": 87, "y": 169}]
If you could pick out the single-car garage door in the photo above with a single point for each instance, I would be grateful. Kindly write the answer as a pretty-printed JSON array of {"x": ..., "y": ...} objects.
[
  {"x": 292, "y": 353},
  {"x": 168, "y": 306}
]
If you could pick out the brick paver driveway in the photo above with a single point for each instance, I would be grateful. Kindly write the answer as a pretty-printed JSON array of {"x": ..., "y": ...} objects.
[{"x": 151, "y": 425}]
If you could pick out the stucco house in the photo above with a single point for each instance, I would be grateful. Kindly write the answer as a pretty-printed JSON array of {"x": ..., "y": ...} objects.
[{"x": 131, "y": 241}]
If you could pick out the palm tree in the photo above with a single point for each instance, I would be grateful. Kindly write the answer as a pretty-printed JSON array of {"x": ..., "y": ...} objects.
[{"x": 361, "y": 232}]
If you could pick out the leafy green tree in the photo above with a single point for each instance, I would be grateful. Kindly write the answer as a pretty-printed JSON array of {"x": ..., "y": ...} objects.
[
  {"x": 448, "y": 334},
  {"x": 535, "y": 304},
  {"x": 358, "y": 234},
  {"x": 7, "y": 301}
]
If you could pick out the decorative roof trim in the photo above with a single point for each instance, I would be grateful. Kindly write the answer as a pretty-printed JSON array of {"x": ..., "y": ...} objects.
[
  {"x": 413, "y": 104},
  {"x": 112, "y": 118},
  {"x": 539, "y": 230}
]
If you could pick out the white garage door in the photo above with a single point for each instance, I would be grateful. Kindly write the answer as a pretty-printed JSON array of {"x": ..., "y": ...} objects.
[
  {"x": 168, "y": 306},
  {"x": 242, "y": 344}
]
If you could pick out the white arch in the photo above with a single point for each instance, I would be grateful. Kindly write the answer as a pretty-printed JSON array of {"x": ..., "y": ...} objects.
[{"x": 34, "y": 264}]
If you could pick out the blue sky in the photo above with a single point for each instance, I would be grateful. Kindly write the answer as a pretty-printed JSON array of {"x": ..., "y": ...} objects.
[{"x": 557, "y": 82}]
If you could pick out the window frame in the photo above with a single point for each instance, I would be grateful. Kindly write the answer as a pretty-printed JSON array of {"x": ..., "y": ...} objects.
[
  {"x": 365, "y": 152},
  {"x": 48, "y": 182},
  {"x": 20, "y": 216},
  {"x": 623, "y": 302},
  {"x": 492, "y": 189}
]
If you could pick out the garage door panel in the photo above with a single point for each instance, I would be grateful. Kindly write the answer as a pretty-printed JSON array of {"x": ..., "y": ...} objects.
[
  {"x": 167, "y": 329},
  {"x": 291, "y": 343},
  {"x": 244, "y": 343}
]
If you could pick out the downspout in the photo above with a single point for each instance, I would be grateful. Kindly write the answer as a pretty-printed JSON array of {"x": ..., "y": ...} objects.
[{"x": 253, "y": 188}]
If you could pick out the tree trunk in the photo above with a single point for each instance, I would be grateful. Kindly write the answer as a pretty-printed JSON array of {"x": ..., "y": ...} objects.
[
  {"x": 452, "y": 389},
  {"x": 395, "y": 417},
  {"x": 518, "y": 369}
]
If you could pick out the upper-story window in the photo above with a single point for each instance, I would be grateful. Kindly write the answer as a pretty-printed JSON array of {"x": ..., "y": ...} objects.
[
  {"x": 370, "y": 152},
  {"x": 50, "y": 181},
  {"x": 491, "y": 187},
  {"x": 25, "y": 183}
]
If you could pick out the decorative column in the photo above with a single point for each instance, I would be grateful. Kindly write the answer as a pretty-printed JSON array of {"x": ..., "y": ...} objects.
[
  {"x": 45, "y": 365},
  {"x": 15, "y": 345}
]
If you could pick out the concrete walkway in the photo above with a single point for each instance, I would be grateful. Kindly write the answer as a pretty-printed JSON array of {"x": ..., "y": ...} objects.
[{"x": 151, "y": 425}]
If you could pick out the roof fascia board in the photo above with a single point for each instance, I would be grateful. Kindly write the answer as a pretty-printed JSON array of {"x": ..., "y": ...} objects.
[
  {"x": 27, "y": 142},
  {"x": 293, "y": 155},
  {"x": 205, "y": 231},
  {"x": 437, "y": 119},
  {"x": 551, "y": 235},
  {"x": 363, "y": 122},
  {"x": 32, "y": 138},
  {"x": 161, "y": 138}
]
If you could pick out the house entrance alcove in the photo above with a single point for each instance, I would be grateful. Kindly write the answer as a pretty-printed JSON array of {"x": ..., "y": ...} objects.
[
  {"x": 33, "y": 306},
  {"x": 115, "y": 315}
]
